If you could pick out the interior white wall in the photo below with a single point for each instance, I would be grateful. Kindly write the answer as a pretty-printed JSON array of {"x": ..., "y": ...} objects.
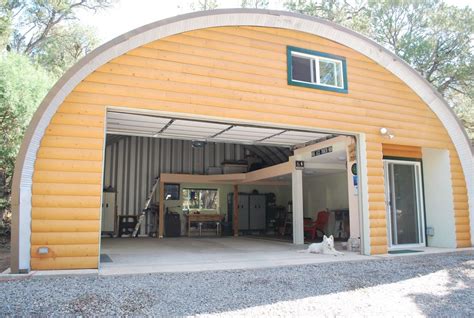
[
  {"x": 325, "y": 192},
  {"x": 438, "y": 192}
]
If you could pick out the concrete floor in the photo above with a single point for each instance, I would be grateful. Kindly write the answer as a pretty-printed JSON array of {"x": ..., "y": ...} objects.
[{"x": 183, "y": 254}]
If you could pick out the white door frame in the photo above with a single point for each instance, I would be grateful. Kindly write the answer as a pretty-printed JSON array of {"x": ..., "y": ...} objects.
[{"x": 420, "y": 203}]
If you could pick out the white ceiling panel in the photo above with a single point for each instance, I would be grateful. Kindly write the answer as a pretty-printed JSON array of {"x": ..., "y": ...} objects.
[
  {"x": 247, "y": 139},
  {"x": 141, "y": 124},
  {"x": 163, "y": 127},
  {"x": 131, "y": 125},
  {"x": 129, "y": 132},
  {"x": 248, "y": 133},
  {"x": 199, "y": 124},
  {"x": 137, "y": 118},
  {"x": 199, "y": 127},
  {"x": 294, "y": 137}
]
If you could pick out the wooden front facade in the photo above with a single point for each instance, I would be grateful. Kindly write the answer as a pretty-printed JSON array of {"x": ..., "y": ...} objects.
[{"x": 235, "y": 73}]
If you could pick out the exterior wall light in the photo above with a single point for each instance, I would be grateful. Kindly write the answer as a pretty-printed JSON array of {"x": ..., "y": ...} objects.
[
  {"x": 43, "y": 250},
  {"x": 386, "y": 133}
]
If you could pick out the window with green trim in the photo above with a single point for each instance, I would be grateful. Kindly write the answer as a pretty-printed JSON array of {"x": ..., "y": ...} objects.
[{"x": 316, "y": 70}]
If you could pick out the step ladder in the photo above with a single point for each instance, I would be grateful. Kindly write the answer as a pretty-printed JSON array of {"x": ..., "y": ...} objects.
[{"x": 141, "y": 218}]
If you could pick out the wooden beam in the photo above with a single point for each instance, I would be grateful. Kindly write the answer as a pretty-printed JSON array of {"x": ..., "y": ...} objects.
[
  {"x": 325, "y": 143},
  {"x": 194, "y": 178},
  {"x": 321, "y": 166},
  {"x": 235, "y": 215},
  {"x": 271, "y": 183},
  {"x": 161, "y": 225},
  {"x": 270, "y": 172},
  {"x": 254, "y": 177}
]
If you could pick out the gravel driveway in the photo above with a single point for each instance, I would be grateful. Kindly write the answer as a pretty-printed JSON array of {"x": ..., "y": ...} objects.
[{"x": 432, "y": 285}]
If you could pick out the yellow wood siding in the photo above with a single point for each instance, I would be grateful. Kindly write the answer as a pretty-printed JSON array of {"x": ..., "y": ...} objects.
[
  {"x": 401, "y": 151},
  {"x": 232, "y": 72}
]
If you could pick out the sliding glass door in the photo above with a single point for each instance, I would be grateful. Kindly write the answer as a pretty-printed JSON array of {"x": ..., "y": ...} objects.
[{"x": 404, "y": 202}]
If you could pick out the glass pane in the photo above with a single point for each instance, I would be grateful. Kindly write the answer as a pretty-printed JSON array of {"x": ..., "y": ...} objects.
[
  {"x": 197, "y": 199},
  {"x": 327, "y": 73},
  {"x": 338, "y": 67},
  {"x": 209, "y": 199},
  {"x": 405, "y": 227},
  {"x": 301, "y": 69}
]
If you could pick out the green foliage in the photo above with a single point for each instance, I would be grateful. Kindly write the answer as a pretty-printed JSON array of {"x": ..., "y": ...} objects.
[
  {"x": 69, "y": 43},
  {"x": 351, "y": 14},
  {"x": 42, "y": 29},
  {"x": 256, "y": 4},
  {"x": 22, "y": 87},
  {"x": 203, "y": 5},
  {"x": 434, "y": 38},
  {"x": 42, "y": 40},
  {"x": 5, "y": 22},
  {"x": 464, "y": 109}
]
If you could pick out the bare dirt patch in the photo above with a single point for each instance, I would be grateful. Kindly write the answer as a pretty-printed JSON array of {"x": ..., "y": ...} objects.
[{"x": 4, "y": 254}]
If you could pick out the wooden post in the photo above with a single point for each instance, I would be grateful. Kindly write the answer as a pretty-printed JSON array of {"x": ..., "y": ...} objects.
[
  {"x": 235, "y": 216},
  {"x": 161, "y": 224}
]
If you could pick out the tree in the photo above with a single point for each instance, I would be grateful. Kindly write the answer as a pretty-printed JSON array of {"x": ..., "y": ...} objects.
[
  {"x": 434, "y": 38},
  {"x": 68, "y": 45},
  {"x": 22, "y": 87},
  {"x": 42, "y": 39},
  {"x": 5, "y": 22},
  {"x": 464, "y": 108},
  {"x": 203, "y": 5},
  {"x": 353, "y": 15},
  {"x": 256, "y": 4},
  {"x": 37, "y": 24}
]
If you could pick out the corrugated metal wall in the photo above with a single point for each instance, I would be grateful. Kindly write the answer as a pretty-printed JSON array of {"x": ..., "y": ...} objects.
[{"x": 132, "y": 163}]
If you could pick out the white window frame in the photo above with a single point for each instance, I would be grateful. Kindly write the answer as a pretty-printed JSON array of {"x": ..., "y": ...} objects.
[
  {"x": 420, "y": 204},
  {"x": 315, "y": 78}
]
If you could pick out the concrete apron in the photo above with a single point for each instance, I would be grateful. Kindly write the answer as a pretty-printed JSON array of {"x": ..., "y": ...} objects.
[
  {"x": 149, "y": 255},
  {"x": 144, "y": 255}
]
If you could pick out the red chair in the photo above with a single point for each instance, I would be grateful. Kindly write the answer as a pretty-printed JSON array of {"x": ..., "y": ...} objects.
[{"x": 313, "y": 227}]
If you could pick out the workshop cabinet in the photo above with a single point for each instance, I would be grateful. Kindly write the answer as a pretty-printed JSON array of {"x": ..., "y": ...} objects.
[
  {"x": 108, "y": 213},
  {"x": 252, "y": 211}
]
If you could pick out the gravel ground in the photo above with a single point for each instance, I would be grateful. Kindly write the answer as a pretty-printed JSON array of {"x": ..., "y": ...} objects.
[{"x": 425, "y": 285}]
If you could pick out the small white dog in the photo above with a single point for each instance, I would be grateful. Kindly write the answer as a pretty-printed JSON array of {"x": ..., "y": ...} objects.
[{"x": 325, "y": 247}]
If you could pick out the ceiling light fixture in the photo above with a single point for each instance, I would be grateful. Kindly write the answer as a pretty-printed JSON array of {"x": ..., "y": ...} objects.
[{"x": 198, "y": 143}]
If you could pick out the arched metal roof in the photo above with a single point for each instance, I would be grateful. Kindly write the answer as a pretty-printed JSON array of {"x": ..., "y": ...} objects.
[{"x": 21, "y": 198}]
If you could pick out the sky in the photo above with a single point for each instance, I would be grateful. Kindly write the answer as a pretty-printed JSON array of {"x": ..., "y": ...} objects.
[{"x": 127, "y": 15}]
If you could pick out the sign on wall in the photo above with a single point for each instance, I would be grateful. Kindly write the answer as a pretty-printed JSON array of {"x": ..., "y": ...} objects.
[
  {"x": 321, "y": 151},
  {"x": 299, "y": 164}
]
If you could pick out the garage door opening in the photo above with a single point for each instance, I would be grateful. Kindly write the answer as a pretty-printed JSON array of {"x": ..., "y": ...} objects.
[{"x": 217, "y": 179}]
